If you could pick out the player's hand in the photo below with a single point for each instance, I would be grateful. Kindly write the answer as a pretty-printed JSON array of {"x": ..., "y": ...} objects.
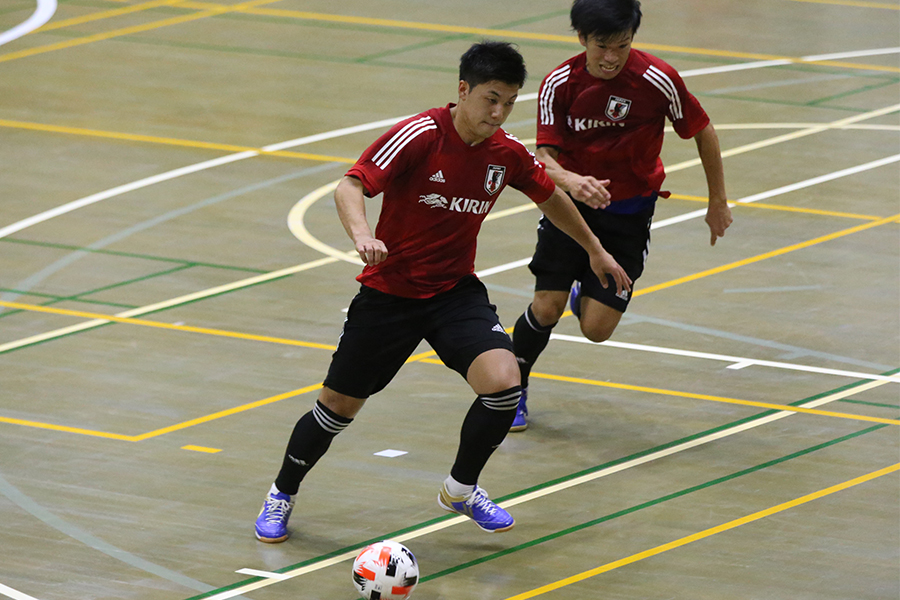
[
  {"x": 718, "y": 217},
  {"x": 590, "y": 190},
  {"x": 371, "y": 250},
  {"x": 604, "y": 264}
]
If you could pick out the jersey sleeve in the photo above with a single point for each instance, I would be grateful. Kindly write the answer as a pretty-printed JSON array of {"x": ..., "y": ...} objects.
[
  {"x": 391, "y": 153},
  {"x": 531, "y": 178},
  {"x": 685, "y": 112},
  {"x": 551, "y": 121}
]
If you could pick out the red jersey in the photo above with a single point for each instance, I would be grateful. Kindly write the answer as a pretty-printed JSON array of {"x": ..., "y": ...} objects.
[
  {"x": 437, "y": 191},
  {"x": 613, "y": 129}
]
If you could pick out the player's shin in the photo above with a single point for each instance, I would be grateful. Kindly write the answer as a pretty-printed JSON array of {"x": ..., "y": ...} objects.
[
  {"x": 483, "y": 430},
  {"x": 309, "y": 441},
  {"x": 529, "y": 340}
]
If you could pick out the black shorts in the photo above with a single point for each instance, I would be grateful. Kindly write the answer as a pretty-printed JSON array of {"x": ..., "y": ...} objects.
[
  {"x": 383, "y": 330},
  {"x": 559, "y": 260}
]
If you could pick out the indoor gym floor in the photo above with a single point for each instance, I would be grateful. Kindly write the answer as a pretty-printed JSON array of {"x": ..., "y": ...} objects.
[{"x": 173, "y": 275}]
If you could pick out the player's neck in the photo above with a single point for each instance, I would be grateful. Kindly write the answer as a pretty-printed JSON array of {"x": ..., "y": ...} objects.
[{"x": 466, "y": 134}]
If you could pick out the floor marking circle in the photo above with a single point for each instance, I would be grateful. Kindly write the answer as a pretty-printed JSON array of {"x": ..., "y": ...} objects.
[{"x": 42, "y": 13}]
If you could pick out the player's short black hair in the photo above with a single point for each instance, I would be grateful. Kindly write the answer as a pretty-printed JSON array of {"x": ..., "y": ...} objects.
[
  {"x": 492, "y": 61},
  {"x": 604, "y": 19}
]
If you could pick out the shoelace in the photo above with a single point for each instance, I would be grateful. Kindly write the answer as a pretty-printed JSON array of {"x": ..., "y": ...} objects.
[
  {"x": 480, "y": 500},
  {"x": 276, "y": 509}
]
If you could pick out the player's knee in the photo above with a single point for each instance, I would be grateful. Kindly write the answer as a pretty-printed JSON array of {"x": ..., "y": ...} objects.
[
  {"x": 493, "y": 371},
  {"x": 596, "y": 332},
  {"x": 547, "y": 313},
  {"x": 506, "y": 376},
  {"x": 341, "y": 404}
]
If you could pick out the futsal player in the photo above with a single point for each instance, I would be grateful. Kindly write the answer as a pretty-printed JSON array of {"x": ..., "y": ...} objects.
[
  {"x": 440, "y": 172},
  {"x": 601, "y": 116}
]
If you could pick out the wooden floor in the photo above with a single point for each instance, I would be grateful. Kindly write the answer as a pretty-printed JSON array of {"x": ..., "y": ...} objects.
[{"x": 173, "y": 275}]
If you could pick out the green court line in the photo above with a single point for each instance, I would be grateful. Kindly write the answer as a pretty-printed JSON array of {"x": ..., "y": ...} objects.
[
  {"x": 648, "y": 504},
  {"x": 62, "y": 298},
  {"x": 535, "y": 19},
  {"x": 545, "y": 485},
  {"x": 876, "y": 404},
  {"x": 775, "y": 102},
  {"x": 458, "y": 36},
  {"x": 437, "y": 38},
  {"x": 21, "y": 8},
  {"x": 151, "y": 312},
  {"x": 77, "y": 297},
  {"x": 867, "y": 88},
  {"x": 131, "y": 255},
  {"x": 130, "y": 281},
  {"x": 412, "y": 47}
]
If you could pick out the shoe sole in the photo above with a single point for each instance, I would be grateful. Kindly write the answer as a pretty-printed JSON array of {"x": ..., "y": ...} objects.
[
  {"x": 450, "y": 509},
  {"x": 516, "y": 428},
  {"x": 272, "y": 540}
]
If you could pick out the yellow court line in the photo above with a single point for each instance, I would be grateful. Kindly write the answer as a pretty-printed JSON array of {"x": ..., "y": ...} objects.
[
  {"x": 795, "y": 209},
  {"x": 164, "y": 430},
  {"x": 226, "y": 413},
  {"x": 705, "y": 533},
  {"x": 106, "y": 14},
  {"x": 212, "y": 9},
  {"x": 767, "y": 255},
  {"x": 721, "y": 399},
  {"x": 853, "y": 4},
  {"x": 527, "y": 35},
  {"x": 133, "y": 137},
  {"x": 421, "y": 356},
  {"x": 161, "y": 325},
  {"x": 212, "y": 12},
  {"x": 201, "y": 449},
  {"x": 66, "y": 429}
]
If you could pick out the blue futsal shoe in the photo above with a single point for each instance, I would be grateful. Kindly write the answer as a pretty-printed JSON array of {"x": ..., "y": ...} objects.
[
  {"x": 478, "y": 507},
  {"x": 520, "y": 423},
  {"x": 271, "y": 524},
  {"x": 575, "y": 299}
]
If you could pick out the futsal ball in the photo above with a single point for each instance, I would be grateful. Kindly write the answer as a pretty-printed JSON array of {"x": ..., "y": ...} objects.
[{"x": 385, "y": 571}]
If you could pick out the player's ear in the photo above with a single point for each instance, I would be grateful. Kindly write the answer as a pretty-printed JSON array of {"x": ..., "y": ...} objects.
[
  {"x": 582, "y": 39},
  {"x": 463, "y": 89}
]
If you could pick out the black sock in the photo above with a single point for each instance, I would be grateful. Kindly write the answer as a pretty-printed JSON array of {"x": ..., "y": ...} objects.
[
  {"x": 310, "y": 440},
  {"x": 529, "y": 340},
  {"x": 484, "y": 428}
]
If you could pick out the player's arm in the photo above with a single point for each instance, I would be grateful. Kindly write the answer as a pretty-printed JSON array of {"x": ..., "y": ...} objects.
[
  {"x": 349, "y": 196},
  {"x": 718, "y": 214},
  {"x": 562, "y": 213},
  {"x": 583, "y": 188}
]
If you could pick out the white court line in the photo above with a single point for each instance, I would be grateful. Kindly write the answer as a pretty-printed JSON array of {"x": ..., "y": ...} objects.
[
  {"x": 852, "y": 54},
  {"x": 784, "y": 189},
  {"x": 122, "y": 189},
  {"x": 14, "y": 594},
  {"x": 560, "y": 487},
  {"x": 298, "y": 227},
  {"x": 266, "y": 574},
  {"x": 85, "y": 325},
  {"x": 146, "y": 182},
  {"x": 786, "y": 61},
  {"x": 42, "y": 13},
  {"x": 739, "y": 361}
]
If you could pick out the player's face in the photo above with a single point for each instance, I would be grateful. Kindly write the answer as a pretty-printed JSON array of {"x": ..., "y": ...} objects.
[
  {"x": 607, "y": 56},
  {"x": 483, "y": 109}
]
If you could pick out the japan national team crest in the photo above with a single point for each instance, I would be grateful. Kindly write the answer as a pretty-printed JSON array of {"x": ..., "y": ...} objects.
[
  {"x": 617, "y": 108},
  {"x": 493, "y": 181}
]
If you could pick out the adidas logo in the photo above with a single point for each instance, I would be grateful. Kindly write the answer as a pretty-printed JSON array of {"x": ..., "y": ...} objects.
[
  {"x": 498, "y": 328},
  {"x": 438, "y": 177}
]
